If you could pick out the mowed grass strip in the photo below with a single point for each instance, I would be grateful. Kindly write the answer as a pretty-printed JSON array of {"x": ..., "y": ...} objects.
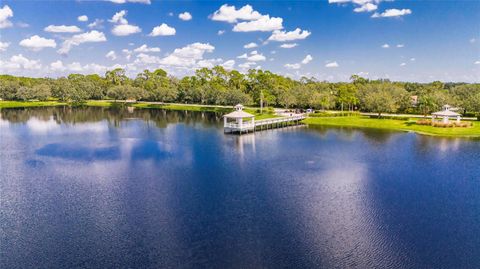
[{"x": 399, "y": 125}]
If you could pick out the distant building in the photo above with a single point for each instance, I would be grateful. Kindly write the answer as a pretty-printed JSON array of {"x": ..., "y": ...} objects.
[{"x": 414, "y": 99}]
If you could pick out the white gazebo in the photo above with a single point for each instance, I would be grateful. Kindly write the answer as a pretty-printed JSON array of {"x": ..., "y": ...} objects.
[
  {"x": 446, "y": 114},
  {"x": 238, "y": 121}
]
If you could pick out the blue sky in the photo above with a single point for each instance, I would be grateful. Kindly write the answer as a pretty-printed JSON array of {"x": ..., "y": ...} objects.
[{"x": 400, "y": 40}]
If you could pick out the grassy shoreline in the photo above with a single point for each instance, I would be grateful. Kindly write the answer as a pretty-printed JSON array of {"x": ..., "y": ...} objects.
[
  {"x": 347, "y": 121},
  {"x": 395, "y": 125},
  {"x": 141, "y": 105}
]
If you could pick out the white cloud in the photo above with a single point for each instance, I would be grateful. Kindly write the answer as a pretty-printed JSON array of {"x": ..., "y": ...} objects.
[
  {"x": 119, "y": 17},
  {"x": 360, "y": 5},
  {"x": 130, "y": 1},
  {"x": 163, "y": 30},
  {"x": 128, "y": 54},
  {"x": 75, "y": 67},
  {"x": 4, "y": 45},
  {"x": 413, "y": 59},
  {"x": 293, "y": 66},
  {"x": 403, "y": 64},
  {"x": 5, "y": 13},
  {"x": 400, "y": 45},
  {"x": 256, "y": 58},
  {"x": 385, "y": 46},
  {"x": 122, "y": 28},
  {"x": 221, "y": 32},
  {"x": 62, "y": 29},
  {"x": 250, "y": 45},
  {"x": 332, "y": 65},
  {"x": 392, "y": 13},
  {"x": 243, "y": 56},
  {"x": 145, "y": 49},
  {"x": 296, "y": 66},
  {"x": 307, "y": 59},
  {"x": 288, "y": 45},
  {"x": 82, "y": 18},
  {"x": 37, "y": 43},
  {"x": 246, "y": 65},
  {"x": 57, "y": 66},
  {"x": 367, "y": 7},
  {"x": 96, "y": 24},
  {"x": 251, "y": 20},
  {"x": 125, "y": 29},
  {"x": 253, "y": 57},
  {"x": 473, "y": 40},
  {"x": 111, "y": 55},
  {"x": 88, "y": 37},
  {"x": 477, "y": 62},
  {"x": 19, "y": 62},
  {"x": 209, "y": 63},
  {"x": 230, "y": 14},
  {"x": 263, "y": 24},
  {"x": 185, "y": 16},
  {"x": 187, "y": 56},
  {"x": 143, "y": 58},
  {"x": 90, "y": 68},
  {"x": 229, "y": 65},
  {"x": 338, "y": 1},
  {"x": 282, "y": 36}
]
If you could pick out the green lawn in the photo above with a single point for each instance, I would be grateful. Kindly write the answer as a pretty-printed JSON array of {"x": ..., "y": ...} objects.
[
  {"x": 19, "y": 104},
  {"x": 399, "y": 125},
  {"x": 183, "y": 107}
]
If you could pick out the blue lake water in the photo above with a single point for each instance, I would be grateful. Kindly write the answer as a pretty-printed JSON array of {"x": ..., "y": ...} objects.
[{"x": 99, "y": 188}]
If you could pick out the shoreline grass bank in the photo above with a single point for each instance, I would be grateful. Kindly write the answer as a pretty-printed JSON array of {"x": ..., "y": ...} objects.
[{"x": 395, "y": 125}]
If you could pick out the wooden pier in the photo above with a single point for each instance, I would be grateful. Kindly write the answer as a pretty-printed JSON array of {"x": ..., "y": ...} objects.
[{"x": 253, "y": 125}]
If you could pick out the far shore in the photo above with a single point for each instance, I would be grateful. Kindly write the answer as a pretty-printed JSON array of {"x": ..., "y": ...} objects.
[{"x": 404, "y": 122}]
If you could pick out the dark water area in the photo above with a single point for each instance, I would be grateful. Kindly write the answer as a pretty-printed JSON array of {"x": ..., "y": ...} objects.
[{"x": 101, "y": 188}]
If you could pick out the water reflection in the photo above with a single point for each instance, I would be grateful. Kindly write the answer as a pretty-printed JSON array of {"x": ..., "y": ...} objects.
[
  {"x": 79, "y": 153},
  {"x": 114, "y": 116},
  {"x": 149, "y": 149},
  {"x": 242, "y": 141},
  {"x": 101, "y": 188}
]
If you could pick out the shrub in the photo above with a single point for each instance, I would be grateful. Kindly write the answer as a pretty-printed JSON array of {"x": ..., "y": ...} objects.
[
  {"x": 334, "y": 114},
  {"x": 461, "y": 124},
  {"x": 424, "y": 122},
  {"x": 469, "y": 114},
  {"x": 389, "y": 117}
]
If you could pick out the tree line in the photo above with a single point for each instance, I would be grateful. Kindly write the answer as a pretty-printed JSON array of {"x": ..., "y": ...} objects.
[{"x": 218, "y": 86}]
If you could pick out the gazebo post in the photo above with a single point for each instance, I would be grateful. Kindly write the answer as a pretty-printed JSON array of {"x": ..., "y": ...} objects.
[
  {"x": 445, "y": 115},
  {"x": 238, "y": 115}
]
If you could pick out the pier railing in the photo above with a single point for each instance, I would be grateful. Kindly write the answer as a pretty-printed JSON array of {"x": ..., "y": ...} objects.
[
  {"x": 233, "y": 127},
  {"x": 279, "y": 120}
]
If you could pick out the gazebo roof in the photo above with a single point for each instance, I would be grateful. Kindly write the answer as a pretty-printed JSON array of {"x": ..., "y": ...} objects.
[
  {"x": 446, "y": 113},
  {"x": 238, "y": 114}
]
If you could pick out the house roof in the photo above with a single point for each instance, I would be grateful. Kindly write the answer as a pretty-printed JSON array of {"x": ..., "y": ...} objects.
[
  {"x": 446, "y": 113},
  {"x": 238, "y": 114}
]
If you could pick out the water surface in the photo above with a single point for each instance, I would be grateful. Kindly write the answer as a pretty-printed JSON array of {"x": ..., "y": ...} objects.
[{"x": 99, "y": 188}]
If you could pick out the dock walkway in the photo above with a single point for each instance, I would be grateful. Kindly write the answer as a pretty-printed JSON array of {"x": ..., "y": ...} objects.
[{"x": 252, "y": 126}]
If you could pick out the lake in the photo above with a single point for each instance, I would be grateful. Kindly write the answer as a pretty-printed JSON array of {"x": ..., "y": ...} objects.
[{"x": 107, "y": 188}]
